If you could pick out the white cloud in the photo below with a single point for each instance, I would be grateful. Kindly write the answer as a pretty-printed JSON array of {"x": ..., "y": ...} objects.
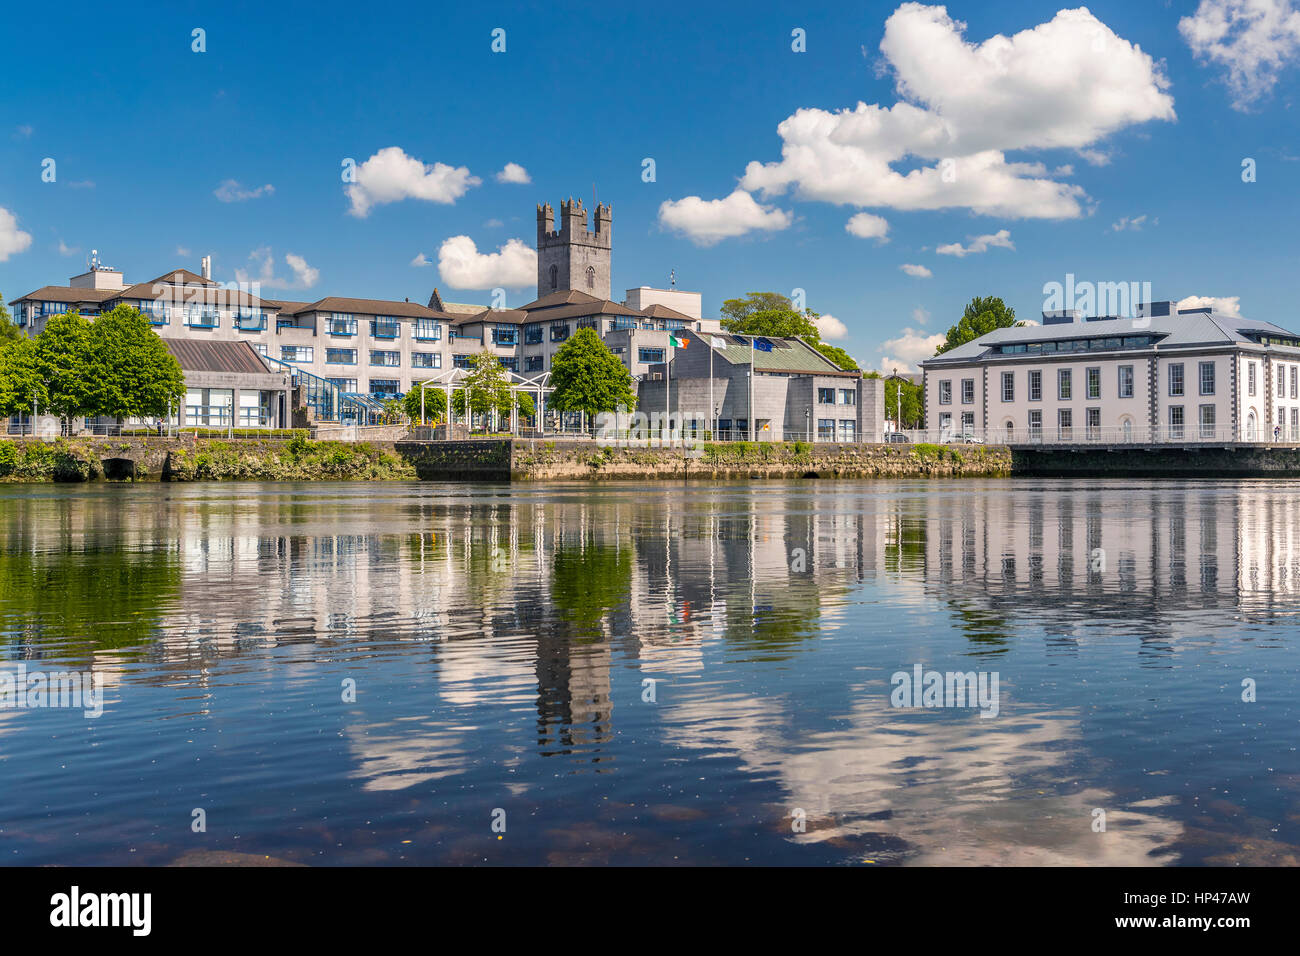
[
  {"x": 421, "y": 261},
  {"x": 907, "y": 349},
  {"x": 1065, "y": 84},
  {"x": 917, "y": 272},
  {"x": 1253, "y": 39},
  {"x": 462, "y": 266},
  {"x": 866, "y": 226},
  {"x": 706, "y": 222},
  {"x": 1228, "y": 305},
  {"x": 391, "y": 176},
  {"x": 67, "y": 250},
  {"x": 304, "y": 276},
  {"x": 514, "y": 173},
  {"x": 830, "y": 327},
  {"x": 1125, "y": 224},
  {"x": 1000, "y": 239},
  {"x": 12, "y": 239},
  {"x": 920, "y": 316},
  {"x": 230, "y": 190},
  {"x": 182, "y": 251},
  {"x": 23, "y": 132}
]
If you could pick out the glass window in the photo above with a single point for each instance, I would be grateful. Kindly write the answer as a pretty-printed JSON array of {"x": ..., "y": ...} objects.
[
  {"x": 426, "y": 360},
  {"x": 428, "y": 330},
  {"x": 344, "y": 384},
  {"x": 1176, "y": 379},
  {"x": 1293, "y": 381},
  {"x": 1036, "y": 421},
  {"x": 1207, "y": 421},
  {"x": 968, "y": 391},
  {"x": 341, "y": 356},
  {"x": 533, "y": 333},
  {"x": 341, "y": 323},
  {"x": 848, "y": 429},
  {"x": 1250, "y": 379},
  {"x": 1064, "y": 422},
  {"x": 505, "y": 335},
  {"x": 825, "y": 396},
  {"x": 385, "y": 327},
  {"x": 1008, "y": 386},
  {"x": 1035, "y": 386},
  {"x": 848, "y": 396},
  {"x": 1092, "y": 421},
  {"x": 1176, "y": 421},
  {"x": 534, "y": 363},
  {"x": 945, "y": 392},
  {"x": 1063, "y": 384},
  {"x": 1094, "y": 382},
  {"x": 296, "y": 353},
  {"x": 462, "y": 361},
  {"x": 1207, "y": 379},
  {"x": 1126, "y": 381},
  {"x": 390, "y": 359},
  {"x": 384, "y": 387},
  {"x": 560, "y": 332},
  {"x": 825, "y": 429},
  {"x": 650, "y": 356}
]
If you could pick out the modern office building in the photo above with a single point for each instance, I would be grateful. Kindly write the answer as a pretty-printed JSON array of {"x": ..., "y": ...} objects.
[
  {"x": 1165, "y": 375},
  {"x": 375, "y": 349},
  {"x": 798, "y": 394}
]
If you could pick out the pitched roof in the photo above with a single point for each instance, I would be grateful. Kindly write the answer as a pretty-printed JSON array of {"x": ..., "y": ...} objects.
[
  {"x": 592, "y": 306},
  {"x": 63, "y": 293},
  {"x": 562, "y": 297},
  {"x": 401, "y": 310},
  {"x": 788, "y": 354},
  {"x": 495, "y": 316},
  {"x": 1192, "y": 327},
  {"x": 212, "y": 355},
  {"x": 658, "y": 311},
  {"x": 190, "y": 293},
  {"x": 185, "y": 275},
  {"x": 437, "y": 303}
]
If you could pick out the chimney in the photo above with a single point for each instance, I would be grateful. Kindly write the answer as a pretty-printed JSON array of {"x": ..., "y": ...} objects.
[{"x": 205, "y": 267}]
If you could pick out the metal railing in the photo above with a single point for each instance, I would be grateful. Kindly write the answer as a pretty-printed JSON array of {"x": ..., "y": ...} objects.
[{"x": 1190, "y": 434}]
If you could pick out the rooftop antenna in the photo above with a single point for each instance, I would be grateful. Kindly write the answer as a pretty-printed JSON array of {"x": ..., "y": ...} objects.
[
  {"x": 672, "y": 278},
  {"x": 92, "y": 262}
]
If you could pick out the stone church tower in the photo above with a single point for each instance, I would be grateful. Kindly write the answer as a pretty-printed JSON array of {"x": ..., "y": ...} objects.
[{"x": 573, "y": 257}]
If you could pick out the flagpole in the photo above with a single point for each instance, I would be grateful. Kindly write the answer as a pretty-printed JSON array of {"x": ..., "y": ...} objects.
[
  {"x": 668, "y": 385},
  {"x": 752, "y": 423},
  {"x": 713, "y": 431}
]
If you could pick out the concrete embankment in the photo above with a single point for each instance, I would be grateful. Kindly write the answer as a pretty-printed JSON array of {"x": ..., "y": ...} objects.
[
  {"x": 1159, "y": 461},
  {"x": 208, "y": 459}
]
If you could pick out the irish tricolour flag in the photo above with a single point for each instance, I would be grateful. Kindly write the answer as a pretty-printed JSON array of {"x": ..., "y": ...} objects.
[{"x": 677, "y": 343}]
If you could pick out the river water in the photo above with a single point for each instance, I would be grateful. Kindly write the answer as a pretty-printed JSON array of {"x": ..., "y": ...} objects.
[{"x": 653, "y": 673}]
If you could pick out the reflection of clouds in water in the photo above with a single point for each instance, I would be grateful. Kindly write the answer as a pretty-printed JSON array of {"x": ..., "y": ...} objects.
[
  {"x": 957, "y": 792},
  {"x": 405, "y": 753}
]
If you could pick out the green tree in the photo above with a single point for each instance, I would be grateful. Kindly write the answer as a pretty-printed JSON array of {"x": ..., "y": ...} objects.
[
  {"x": 20, "y": 378},
  {"x": 910, "y": 411},
  {"x": 435, "y": 403},
  {"x": 66, "y": 365},
  {"x": 9, "y": 332},
  {"x": 981, "y": 316},
  {"x": 134, "y": 376},
  {"x": 772, "y": 314},
  {"x": 587, "y": 377}
]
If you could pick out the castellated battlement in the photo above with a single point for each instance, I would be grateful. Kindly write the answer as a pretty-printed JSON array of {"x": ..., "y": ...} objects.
[{"x": 574, "y": 256}]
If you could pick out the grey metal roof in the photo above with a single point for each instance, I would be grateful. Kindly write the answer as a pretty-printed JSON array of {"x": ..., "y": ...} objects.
[{"x": 1184, "y": 329}]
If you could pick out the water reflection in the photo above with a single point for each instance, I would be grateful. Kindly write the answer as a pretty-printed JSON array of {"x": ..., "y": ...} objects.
[{"x": 657, "y": 673}]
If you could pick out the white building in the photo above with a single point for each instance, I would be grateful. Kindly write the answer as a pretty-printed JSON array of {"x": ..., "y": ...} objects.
[{"x": 1168, "y": 375}]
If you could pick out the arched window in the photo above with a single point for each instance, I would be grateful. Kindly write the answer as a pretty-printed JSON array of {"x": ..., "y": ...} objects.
[
  {"x": 1128, "y": 429},
  {"x": 591, "y": 277},
  {"x": 555, "y": 277},
  {"x": 1251, "y": 426}
]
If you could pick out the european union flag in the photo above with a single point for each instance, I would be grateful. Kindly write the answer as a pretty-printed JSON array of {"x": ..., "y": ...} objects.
[{"x": 763, "y": 345}]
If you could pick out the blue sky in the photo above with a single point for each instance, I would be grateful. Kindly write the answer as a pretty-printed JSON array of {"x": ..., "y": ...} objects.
[{"x": 144, "y": 131}]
